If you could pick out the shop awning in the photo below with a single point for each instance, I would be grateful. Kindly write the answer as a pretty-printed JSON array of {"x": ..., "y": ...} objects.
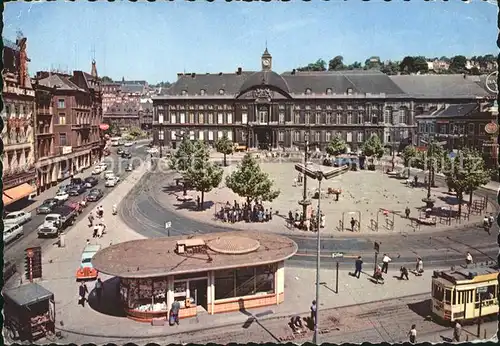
[{"x": 16, "y": 193}]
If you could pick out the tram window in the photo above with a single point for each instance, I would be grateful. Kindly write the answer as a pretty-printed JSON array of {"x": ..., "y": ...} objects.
[
  {"x": 492, "y": 292},
  {"x": 454, "y": 297},
  {"x": 447, "y": 296},
  {"x": 438, "y": 293}
]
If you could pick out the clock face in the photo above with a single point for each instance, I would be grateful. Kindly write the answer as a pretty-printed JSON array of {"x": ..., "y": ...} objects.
[{"x": 266, "y": 62}]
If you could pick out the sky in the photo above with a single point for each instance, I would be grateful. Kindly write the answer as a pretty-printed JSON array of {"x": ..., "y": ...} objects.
[{"x": 155, "y": 41}]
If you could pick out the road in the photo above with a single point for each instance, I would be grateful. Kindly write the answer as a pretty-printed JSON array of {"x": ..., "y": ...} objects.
[
  {"x": 14, "y": 251},
  {"x": 144, "y": 213}
]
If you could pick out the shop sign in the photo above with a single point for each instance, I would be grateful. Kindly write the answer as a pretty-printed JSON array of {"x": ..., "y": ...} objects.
[
  {"x": 104, "y": 127},
  {"x": 67, "y": 150},
  {"x": 491, "y": 128}
]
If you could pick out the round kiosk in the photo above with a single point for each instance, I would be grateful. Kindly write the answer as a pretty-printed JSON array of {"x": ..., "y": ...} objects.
[{"x": 214, "y": 272}]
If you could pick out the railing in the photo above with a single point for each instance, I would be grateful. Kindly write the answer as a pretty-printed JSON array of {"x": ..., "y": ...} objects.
[
  {"x": 46, "y": 130},
  {"x": 44, "y": 111}
]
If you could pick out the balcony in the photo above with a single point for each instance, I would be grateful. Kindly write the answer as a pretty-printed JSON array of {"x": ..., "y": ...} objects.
[
  {"x": 44, "y": 111},
  {"x": 85, "y": 126},
  {"x": 44, "y": 131}
]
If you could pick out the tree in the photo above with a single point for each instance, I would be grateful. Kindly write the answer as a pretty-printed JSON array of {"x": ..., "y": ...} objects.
[
  {"x": 250, "y": 182},
  {"x": 336, "y": 63},
  {"x": 106, "y": 79},
  {"x": 458, "y": 63},
  {"x": 409, "y": 154},
  {"x": 185, "y": 156},
  {"x": 336, "y": 146},
  {"x": 373, "y": 63},
  {"x": 135, "y": 132},
  {"x": 203, "y": 175},
  {"x": 466, "y": 173},
  {"x": 391, "y": 68},
  {"x": 319, "y": 65},
  {"x": 373, "y": 147},
  {"x": 224, "y": 146},
  {"x": 414, "y": 64}
]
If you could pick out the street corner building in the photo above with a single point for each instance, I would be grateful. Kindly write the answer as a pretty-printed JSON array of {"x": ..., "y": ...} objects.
[
  {"x": 267, "y": 110},
  {"x": 214, "y": 273}
]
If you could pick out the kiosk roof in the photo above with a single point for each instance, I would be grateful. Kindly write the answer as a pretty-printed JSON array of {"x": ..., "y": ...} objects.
[{"x": 157, "y": 257}]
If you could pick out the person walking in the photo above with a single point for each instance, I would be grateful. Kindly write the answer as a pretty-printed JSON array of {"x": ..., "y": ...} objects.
[
  {"x": 486, "y": 224},
  {"x": 82, "y": 293},
  {"x": 413, "y": 334},
  {"x": 457, "y": 332},
  {"x": 353, "y": 224},
  {"x": 99, "y": 288},
  {"x": 385, "y": 263},
  {"x": 492, "y": 220},
  {"x": 407, "y": 212},
  {"x": 91, "y": 219},
  {"x": 358, "y": 265},
  {"x": 468, "y": 259},
  {"x": 313, "y": 313},
  {"x": 404, "y": 273},
  {"x": 419, "y": 268},
  {"x": 174, "y": 312}
]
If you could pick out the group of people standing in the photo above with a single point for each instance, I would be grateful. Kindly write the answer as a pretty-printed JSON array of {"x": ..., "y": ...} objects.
[
  {"x": 97, "y": 225},
  {"x": 236, "y": 213},
  {"x": 309, "y": 224}
]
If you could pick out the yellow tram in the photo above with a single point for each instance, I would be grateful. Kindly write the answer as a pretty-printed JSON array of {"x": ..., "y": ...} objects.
[{"x": 458, "y": 293}]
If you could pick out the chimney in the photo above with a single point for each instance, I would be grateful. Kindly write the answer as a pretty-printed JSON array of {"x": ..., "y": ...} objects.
[
  {"x": 239, "y": 71},
  {"x": 293, "y": 71}
]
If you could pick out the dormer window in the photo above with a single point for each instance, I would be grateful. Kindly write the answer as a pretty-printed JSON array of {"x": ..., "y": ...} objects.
[
  {"x": 221, "y": 91},
  {"x": 349, "y": 91},
  {"x": 308, "y": 91},
  {"x": 329, "y": 91},
  {"x": 202, "y": 92},
  {"x": 184, "y": 92}
]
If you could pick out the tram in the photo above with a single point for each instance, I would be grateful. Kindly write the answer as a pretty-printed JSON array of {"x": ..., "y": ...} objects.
[{"x": 465, "y": 294}]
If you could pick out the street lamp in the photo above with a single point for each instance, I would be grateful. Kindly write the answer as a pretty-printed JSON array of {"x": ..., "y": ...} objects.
[
  {"x": 161, "y": 137},
  {"x": 431, "y": 146},
  {"x": 315, "y": 172}
]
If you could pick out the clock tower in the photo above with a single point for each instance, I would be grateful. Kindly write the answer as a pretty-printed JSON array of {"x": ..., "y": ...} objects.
[{"x": 266, "y": 61}]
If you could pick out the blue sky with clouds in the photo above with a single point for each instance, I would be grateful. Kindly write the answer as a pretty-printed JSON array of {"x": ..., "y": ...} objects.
[{"x": 154, "y": 41}]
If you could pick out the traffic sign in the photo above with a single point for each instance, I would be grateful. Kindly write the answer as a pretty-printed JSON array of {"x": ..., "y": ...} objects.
[
  {"x": 376, "y": 247},
  {"x": 337, "y": 255},
  {"x": 168, "y": 224},
  {"x": 482, "y": 289}
]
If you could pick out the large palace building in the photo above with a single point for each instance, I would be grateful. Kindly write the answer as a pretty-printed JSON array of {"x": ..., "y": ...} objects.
[{"x": 267, "y": 110}]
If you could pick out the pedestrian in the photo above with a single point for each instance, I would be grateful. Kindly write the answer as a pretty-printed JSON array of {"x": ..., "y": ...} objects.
[
  {"x": 419, "y": 268},
  {"x": 385, "y": 263},
  {"x": 99, "y": 288},
  {"x": 270, "y": 214},
  {"x": 468, "y": 259},
  {"x": 101, "y": 211},
  {"x": 378, "y": 274},
  {"x": 96, "y": 231},
  {"x": 486, "y": 223},
  {"x": 322, "y": 221},
  {"x": 413, "y": 334},
  {"x": 457, "y": 332},
  {"x": 492, "y": 219},
  {"x": 353, "y": 224},
  {"x": 415, "y": 179},
  {"x": 88, "y": 242},
  {"x": 114, "y": 209},
  {"x": 174, "y": 313},
  {"x": 91, "y": 219},
  {"x": 313, "y": 313},
  {"x": 404, "y": 273},
  {"x": 358, "y": 267},
  {"x": 407, "y": 212},
  {"x": 296, "y": 323},
  {"x": 82, "y": 292}
]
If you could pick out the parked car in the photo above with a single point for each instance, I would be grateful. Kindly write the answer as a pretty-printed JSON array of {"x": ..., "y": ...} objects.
[
  {"x": 9, "y": 269},
  {"x": 64, "y": 188},
  {"x": 17, "y": 217},
  {"x": 77, "y": 190},
  {"x": 126, "y": 155},
  {"x": 128, "y": 144},
  {"x": 111, "y": 182},
  {"x": 76, "y": 181},
  {"x": 119, "y": 151},
  {"x": 91, "y": 182},
  {"x": 62, "y": 196},
  {"x": 129, "y": 168},
  {"x": 152, "y": 150},
  {"x": 98, "y": 169},
  {"x": 47, "y": 206},
  {"x": 75, "y": 205},
  {"x": 108, "y": 174},
  {"x": 12, "y": 232},
  {"x": 94, "y": 195},
  {"x": 86, "y": 270}
]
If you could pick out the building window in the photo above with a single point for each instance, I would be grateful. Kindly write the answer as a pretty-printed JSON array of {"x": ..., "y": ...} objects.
[
  {"x": 338, "y": 120},
  {"x": 230, "y": 135},
  {"x": 61, "y": 103},
  {"x": 308, "y": 91},
  {"x": 349, "y": 137},
  {"x": 281, "y": 136},
  {"x": 318, "y": 118},
  {"x": 296, "y": 136},
  {"x": 421, "y": 127},
  {"x": 191, "y": 135},
  {"x": 402, "y": 116},
  {"x": 200, "y": 118},
  {"x": 173, "y": 135},
  {"x": 161, "y": 135},
  {"x": 183, "y": 118},
  {"x": 62, "y": 139},
  {"x": 317, "y": 136},
  {"x": 349, "y": 91},
  {"x": 220, "y": 134},
  {"x": 388, "y": 115},
  {"x": 297, "y": 118},
  {"x": 349, "y": 118},
  {"x": 262, "y": 115},
  {"x": 470, "y": 128},
  {"x": 481, "y": 129},
  {"x": 62, "y": 119},
  {"x": 191, "y": 118},
  {"x": 221, "y": 91},
  {"x": 328, "y": 136},
  {"x": 281, "y": 118},
  {"x": 210, "y": 135},
  {"x": 360, "y": 137},
  {"x": 184, "y": 92},
  {"x": 202, "y": 92},
  {"x": 160, "y": 118},
  {"x": 173, "y": 119},
  {"x": 220, "y": 118},
  {"x": 308, "y": 118},
  {"x": 244, "y": 118},
  {"x": 329, "y": 91},
  {"x": 328, "y": 119},
  {"x": 210, "y": 118},
  {"x": 361, "y": 118},
  {"x": 229, "y": 118},
  {"x": 201, "y": 135}
]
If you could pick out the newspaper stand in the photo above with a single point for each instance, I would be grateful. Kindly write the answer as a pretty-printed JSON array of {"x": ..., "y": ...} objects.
[{"x": 29, "y": 312}]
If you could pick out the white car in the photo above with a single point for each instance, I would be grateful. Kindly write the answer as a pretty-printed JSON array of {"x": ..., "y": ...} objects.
[
  {"x": 152, "y": 151},
  {"x": 108, "y": 174},
  {"x": 17, "y": 217},
  {"x": 12, "y": 232},
  {"x": 128, "y": 144},
  {"x": 62, "y": 196},
  {"x": 98, "y": 169},
  {"x": 111, "y": 182}
]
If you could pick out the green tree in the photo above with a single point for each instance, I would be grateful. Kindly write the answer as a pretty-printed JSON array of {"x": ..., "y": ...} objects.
[
  {"x": 391, "y": 68},
  {"x": 458, "y": 63},
  {"x": 203, "y": 175},
  {"x": 225, "y": 147},
  {"x": 135, "y": 132},
  {"x": 373, "y": 147},
  {"x": 336, "y": 63},
  {"x": 185, "y": 157},
  {"x": 409, "y": 155},
  {"x": 373, "y": 63},
  {"x": 106, "y": 79},
  {"x": 319, "y": 65},
  {"x": 250, "y": 182},
  {"x": 466, "y": 173},
  {"x": 414, "y": 64},
  {"x": 336, "y": 146}
]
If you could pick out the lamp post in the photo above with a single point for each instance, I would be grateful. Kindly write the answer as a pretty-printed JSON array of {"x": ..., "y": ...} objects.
[{"x": 305, "y": 202}]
